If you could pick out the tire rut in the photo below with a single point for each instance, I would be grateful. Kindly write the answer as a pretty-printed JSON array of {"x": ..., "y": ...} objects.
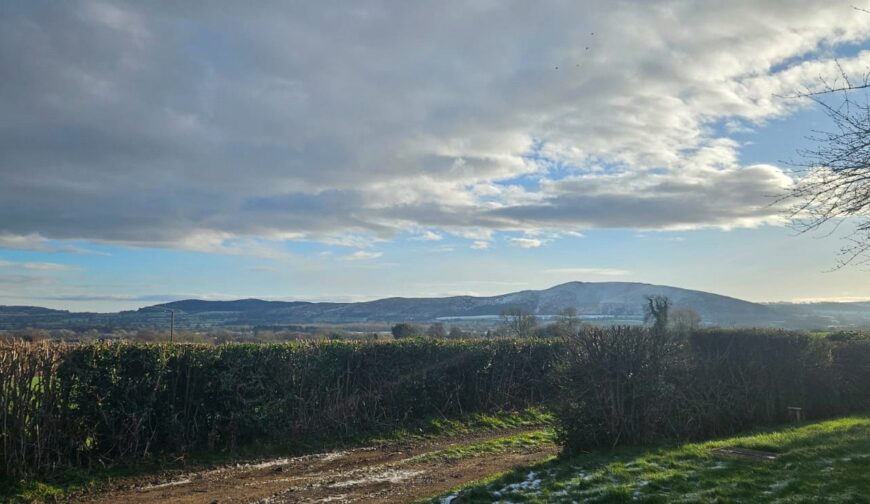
[{"x": 388, "y": 473}]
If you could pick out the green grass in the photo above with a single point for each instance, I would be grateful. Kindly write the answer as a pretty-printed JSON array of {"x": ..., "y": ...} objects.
[
  {"x": 73, "y": 480},
  {"x": 820, "y": 462},
  {"x": 479, "y": 422},
  {"x": 530, "y": 417},
  {"x": 64, "y": 483},
  {"x": 525, "y": 441}
]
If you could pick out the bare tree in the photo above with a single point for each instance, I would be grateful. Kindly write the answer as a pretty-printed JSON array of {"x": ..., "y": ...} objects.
[
  {"x": 519, "y": 322},
  {"x": 834, "y": 187},
  {"x": 684, "y": 321},
  {"x": 406, "y": 330},
  {"x": 436, "y": 330},
  {"x": 656, "y": 312},
  {"x": 567, "y": 321},
  {"x": 457, "y": 333}
]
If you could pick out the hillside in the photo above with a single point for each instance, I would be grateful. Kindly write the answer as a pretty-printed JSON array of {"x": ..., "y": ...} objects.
[
  {"x": 602, "y": 300},
  {"x": 606, "y": 302},
  {"x": 617, "y": 301}
]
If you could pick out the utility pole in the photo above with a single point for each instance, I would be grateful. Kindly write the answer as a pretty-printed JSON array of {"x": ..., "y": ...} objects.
[{"x": 171, "y": 321}]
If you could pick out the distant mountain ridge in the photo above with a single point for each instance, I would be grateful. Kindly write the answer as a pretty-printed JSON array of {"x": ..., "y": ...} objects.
[
  {"x": 605, "y": 301},
  {"x": 602, "y": 299}
]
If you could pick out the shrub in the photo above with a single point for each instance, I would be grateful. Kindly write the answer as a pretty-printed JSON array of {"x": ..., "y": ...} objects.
[
  {"x": 109, "y": 402},
  {"x": 611, "y": 382},
  {"x": 742, "y": 379},
  {"x": 405, "y": 330},
  {"x": 628, "y": 386}
]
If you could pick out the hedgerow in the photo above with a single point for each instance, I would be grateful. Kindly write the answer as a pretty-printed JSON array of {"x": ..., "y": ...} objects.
[
  {"x": 103, "y": 403},
  {"x": 625, "y": 385}
]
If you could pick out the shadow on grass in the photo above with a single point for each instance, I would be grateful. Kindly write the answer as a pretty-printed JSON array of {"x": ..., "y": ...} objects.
[
  {"x": 68, "y": 482},
  {"x": 819, "y": 462}
]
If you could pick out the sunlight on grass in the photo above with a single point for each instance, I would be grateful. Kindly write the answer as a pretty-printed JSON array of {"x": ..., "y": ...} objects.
[
  {"x": 820, "y": 462},
  {"x": 479, "y": 422},
  {"x": 527, "y": 441}
]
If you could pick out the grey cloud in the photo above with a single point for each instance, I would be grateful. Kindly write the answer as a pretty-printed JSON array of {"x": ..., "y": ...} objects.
[
  {"x": 152, "y": 298},
  {"x": 36, "y": 243},
  {"x": 151, "y": 123},
  {"x": 724, "y": 198},
  {"x": 21, "y": 283}
]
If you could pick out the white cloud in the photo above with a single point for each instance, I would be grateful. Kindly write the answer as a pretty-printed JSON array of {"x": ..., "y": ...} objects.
[
  {"x": 45, "y": 266},
  {"x": 35, "y": 243},
  {"x": 399, "y": 120},
  {"x": 264, "y": 269},
  {"x": 588, "y": 271},
  {"x": 832, "y": 299},
  {"x": 362, "y": 255},
  {"x": 430, "y": 236},
  {"x": 35, "y": 266},
  {"x": 527, "y": 242},
  {"x": 480, "y": 245}
]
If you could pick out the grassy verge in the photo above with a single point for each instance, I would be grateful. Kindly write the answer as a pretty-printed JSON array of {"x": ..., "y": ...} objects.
[
  {"x": 439, "y": 427},
  {"x": 820, "y": 462},
  {"x": 71, "y": 481},
  {"x": 524, "y": 441}
]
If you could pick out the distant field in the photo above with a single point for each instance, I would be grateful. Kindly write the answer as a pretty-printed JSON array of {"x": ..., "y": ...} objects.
[{"x": 819, "y": 462}]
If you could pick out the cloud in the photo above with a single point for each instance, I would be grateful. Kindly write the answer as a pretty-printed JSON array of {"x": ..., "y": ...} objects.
[
  {"x": 264, "y": 269},
  {"x": 36, "y": 243},
  {"x": 832, "y": 299},
  {"x": 362, "y": 255},
  {"x": 527, "y": 242},
  {"x": 588, "y": 271},
  {"x": 430, "y": 236},
  {"x": 148, "y": 299},
  {"x": 696, "y": 197},
  {"x": 151, "y": 298},
  {"x": 398, "y": 120},
  {"x": 35, "y": 266},
  {"x": 45, "y": 266},
  {"x": 480, "y": 245}
]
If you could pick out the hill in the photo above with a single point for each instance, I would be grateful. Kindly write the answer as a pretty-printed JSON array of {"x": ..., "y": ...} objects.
[
  {"x": 616, "y": 300},
  {"x": 609, "y": 302}
]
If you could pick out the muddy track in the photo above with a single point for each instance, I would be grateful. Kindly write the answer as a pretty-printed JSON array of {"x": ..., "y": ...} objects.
[{"x": 390, "y": 473}]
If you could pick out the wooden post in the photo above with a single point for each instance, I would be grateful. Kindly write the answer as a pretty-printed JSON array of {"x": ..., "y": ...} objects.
[{"x": 795, "y": 414}]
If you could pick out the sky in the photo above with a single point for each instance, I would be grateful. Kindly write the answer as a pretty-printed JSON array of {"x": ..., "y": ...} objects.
[{"x": 152, "y": 151}]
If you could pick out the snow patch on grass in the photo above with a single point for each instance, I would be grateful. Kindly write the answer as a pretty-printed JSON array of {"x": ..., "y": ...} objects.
[{"x": 532, "y": 484}]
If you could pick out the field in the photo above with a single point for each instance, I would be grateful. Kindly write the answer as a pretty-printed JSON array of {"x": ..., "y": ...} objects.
[{"x": 819, "y": 462}]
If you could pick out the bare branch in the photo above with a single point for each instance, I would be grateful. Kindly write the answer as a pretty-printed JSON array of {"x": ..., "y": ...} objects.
[{"x": 834, "y": 187}]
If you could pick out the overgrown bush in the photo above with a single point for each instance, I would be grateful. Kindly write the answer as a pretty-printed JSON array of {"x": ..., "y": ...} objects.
[
  {"x": 107, "y": 402},
  {"x": 629, "y": 386},
  {"x": 746, "y": 378},
  {"x": 612, "y": 382}
]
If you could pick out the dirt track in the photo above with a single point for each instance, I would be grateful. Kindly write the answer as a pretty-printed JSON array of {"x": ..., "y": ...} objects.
[{"x": 393, "y": 473}]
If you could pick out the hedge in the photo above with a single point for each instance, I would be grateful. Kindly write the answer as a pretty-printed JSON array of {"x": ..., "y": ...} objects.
[
  {"x": 630, "y": 385},
  {"x": 108, "y": 402}
]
